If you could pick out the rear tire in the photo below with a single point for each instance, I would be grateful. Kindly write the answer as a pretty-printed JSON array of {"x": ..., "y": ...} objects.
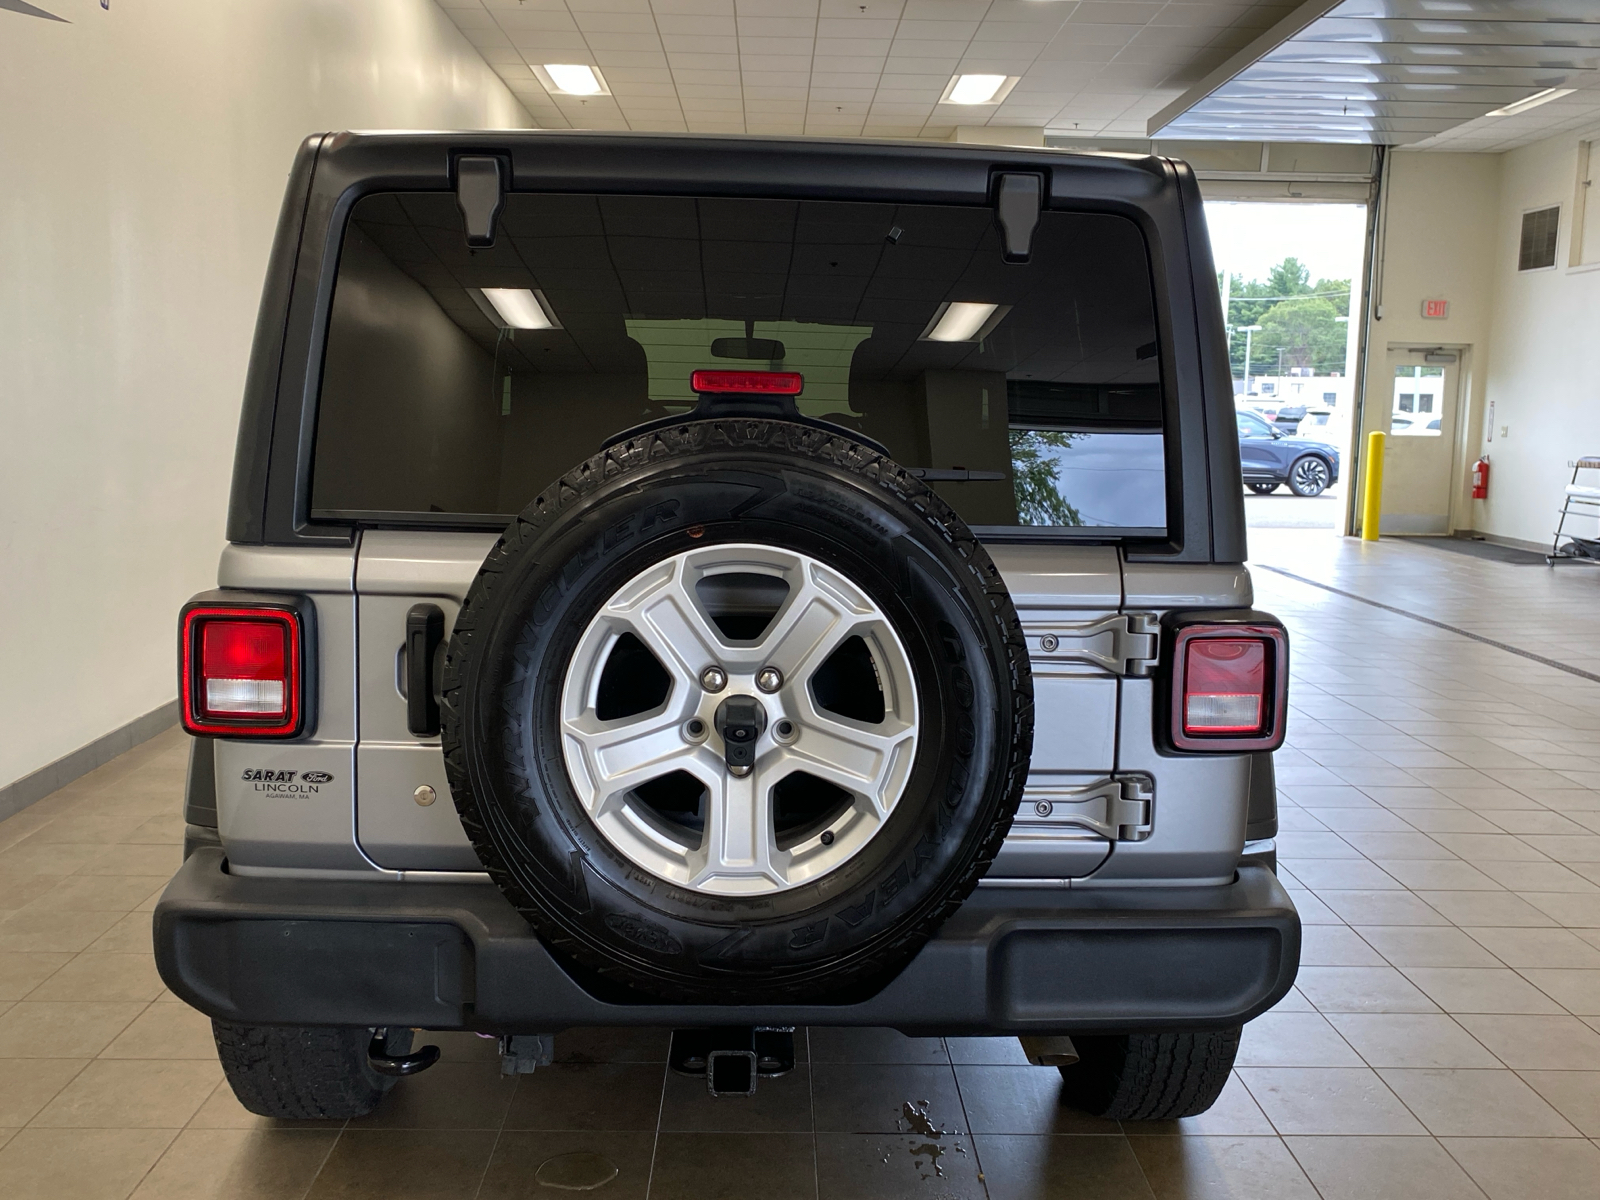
[
  {"x": 304, "y": 1073},
  {"x": 1309, "y": 476},
  {"x": 1150, "y": 1076}
]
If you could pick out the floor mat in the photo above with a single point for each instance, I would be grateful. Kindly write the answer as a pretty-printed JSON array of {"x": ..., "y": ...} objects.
[{"x": 1489, "y": 550}]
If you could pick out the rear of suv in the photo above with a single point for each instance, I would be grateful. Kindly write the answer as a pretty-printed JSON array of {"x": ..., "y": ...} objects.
[{"x": 731, "y": 584}]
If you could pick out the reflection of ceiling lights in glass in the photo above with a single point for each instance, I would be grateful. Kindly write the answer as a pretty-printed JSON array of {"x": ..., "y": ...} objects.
[
  {"x": 574, "y": 79},
  {"x": 1532, "y": 101},
  {"x": 960, "y": 321},
  {"x": 519, "y": 308}
]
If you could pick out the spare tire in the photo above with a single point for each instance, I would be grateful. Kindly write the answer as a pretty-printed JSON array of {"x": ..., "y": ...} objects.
[{"x": 738, "y": 711}]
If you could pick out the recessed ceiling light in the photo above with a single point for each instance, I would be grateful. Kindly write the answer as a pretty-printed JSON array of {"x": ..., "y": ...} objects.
[
  {"x": 1532, "y": 101},
  {"x": 978, "y": 89},
  {"x": 519, "y": 308},
  {"x": 572, "y": 79},
  {"x": 959, "y": 322}
]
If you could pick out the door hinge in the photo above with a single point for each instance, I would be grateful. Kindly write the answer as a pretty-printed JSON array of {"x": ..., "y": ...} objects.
[
  {"x": 1121, "y": 808},
  {"x": 1124, "y": 643}
]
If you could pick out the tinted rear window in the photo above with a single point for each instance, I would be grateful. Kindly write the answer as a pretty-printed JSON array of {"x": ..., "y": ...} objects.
[{"x": 1028, "y": 394}]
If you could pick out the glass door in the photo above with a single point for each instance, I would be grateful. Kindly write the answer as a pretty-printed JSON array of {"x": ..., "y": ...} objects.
[{"x": 1419, "y": 459}]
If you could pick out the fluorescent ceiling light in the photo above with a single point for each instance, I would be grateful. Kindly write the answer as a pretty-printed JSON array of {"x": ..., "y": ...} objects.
[
  {"x": 960, "y": 321},
  {"x": 519, "y": 308},
  {"x": 975, "y": 89},
  {"x": 572, "y": 79},
  {"x": 1532, "y": 101}
]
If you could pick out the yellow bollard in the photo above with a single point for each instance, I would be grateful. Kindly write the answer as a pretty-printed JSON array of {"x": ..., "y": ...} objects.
[{"x": 1372, "y": 490}]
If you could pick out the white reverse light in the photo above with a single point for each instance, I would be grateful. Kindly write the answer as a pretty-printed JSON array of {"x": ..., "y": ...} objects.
[
  {"x": 975, "y": 89},
  {"x": 519, "y": 308},
  {"x": 1532, "y": 101},
  {"x": 575, "y": 79},
  {"x": 960, "y": 322}
]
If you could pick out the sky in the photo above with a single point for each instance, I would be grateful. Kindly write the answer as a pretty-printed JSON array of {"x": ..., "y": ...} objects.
[{"x": 1248, "y": 239}]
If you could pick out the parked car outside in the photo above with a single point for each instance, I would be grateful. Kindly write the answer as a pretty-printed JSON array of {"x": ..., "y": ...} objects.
[
  {"x": 1316, "y": 420},
  {"x": 1268, "y": 457}
]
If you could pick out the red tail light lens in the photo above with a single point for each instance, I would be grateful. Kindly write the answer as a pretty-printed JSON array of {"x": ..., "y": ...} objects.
[
  {"x": 241, "y": 671},
  {"x": 1225, "y": 686},
  {"x": 765, "y": 383},
  {"x": 1228, "y": 687}
]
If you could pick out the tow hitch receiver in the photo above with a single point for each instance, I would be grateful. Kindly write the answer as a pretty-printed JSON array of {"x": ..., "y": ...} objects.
[{"x": 733, "y": 1057}]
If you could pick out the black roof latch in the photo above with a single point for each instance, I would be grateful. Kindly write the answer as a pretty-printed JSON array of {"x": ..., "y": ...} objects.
[
  {"x": 480, "y": 191},
  {"x": 1017, "y": 202}
]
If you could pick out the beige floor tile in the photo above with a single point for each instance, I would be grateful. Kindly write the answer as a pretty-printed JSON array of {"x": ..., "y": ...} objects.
[
  {"x": 48, "y": 858},
  {"x": 97, "y": 893},
  {"x": 29, "y": 1086},
  {"x": 1424, "y": 874},
  {"x": 1463, "y": 1103},
  {"x": 1411, "y": 1040},
  {"x": 1528, "y": 1168},
  {"x": 1534, "y": 1043},
  {"x": 1360, "y": 820},
  {"x": 1380, "y": 908},
  {"x": 1294, "y": 1040},
  {"x": 1489, "y": 847},
  {"x": 1578, "y": 991},
  {"x": 385, "y": 1164},
  {"x": 103, "y": 977},
  {"x": 1537, "y": 947},
  {"x": 1015, "y": 1168},
  {"x": 1327, "y": 1100},
  {"x": 222, "y": 1110},
  {"x": 130, "y": 935},
  {"x": 1480, "y": 990},
  {"x": 160, "y": 861},
  {"x": 19, "y": 890},
  {"x": 32, "y": 929},
  {"x": 1220, "y": 1168},
  {"x": 1346, "y": 873},
  {"x": 1447, "y": 820},
  {"x": 88, "y": 829},
  {"x": 1335, "y": 946},
  {"x": 112, "y": 1094},
  {"x": 238, "y": 1164},
  {"x": 61, "y": 1029},
  {"x": 455, "y": 1096},
  {"x": 165, "y": 1031},
  {"x": 22, "y": 971},
  {"x": 1573, "y": 1094},
  {"x": 1486, "y": 908},
  {"x": 1411, "y": 946},
  {"x": 78, "y": 1164},
  {"x": 1390, "y": 846},
  {"x": 1361, "y": 989},
  {"x": 1312, "y": 911},
  {"x": 1315, "y": 845},
  {"x": 1574, "y": 910},
  {"x": 1378, "y": 1168}
]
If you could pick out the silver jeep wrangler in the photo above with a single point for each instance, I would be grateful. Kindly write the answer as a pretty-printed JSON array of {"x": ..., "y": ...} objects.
[{"x": 731, "y": 584}]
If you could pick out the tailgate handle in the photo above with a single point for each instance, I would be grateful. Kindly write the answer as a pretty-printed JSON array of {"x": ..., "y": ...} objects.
[
  {"x": 424, "y": 633},
  {"x": 480, "y": 191}
]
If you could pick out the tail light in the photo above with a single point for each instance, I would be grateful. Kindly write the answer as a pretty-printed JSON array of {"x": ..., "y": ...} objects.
[
  {"x": 760, "y": 383},
  {"x": 1229, "y": 683},
  {"x": 243, "y": 664}
]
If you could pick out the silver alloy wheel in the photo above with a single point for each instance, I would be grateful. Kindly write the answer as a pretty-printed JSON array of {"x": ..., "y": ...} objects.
[
  {"x": 1309, "y": 476},
  {"x": 739, "y": 851}
]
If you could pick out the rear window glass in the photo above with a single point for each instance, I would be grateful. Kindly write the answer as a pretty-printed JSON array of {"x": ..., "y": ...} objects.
[{"x": 464, "y": 381}]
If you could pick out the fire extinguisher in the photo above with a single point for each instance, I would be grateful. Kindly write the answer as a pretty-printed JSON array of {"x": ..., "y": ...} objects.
[{"x": 1480, "y": 479}]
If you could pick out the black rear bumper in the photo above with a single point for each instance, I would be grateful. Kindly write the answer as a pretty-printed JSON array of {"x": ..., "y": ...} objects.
[{"x": 457, "y": 956}]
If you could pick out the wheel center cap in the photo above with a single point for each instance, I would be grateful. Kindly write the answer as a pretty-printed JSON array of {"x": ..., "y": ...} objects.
[{"x": 740, "y": 720}]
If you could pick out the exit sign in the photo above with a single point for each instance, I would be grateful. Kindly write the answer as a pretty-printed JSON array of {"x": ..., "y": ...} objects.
[{"x": 1436, "y": 310}]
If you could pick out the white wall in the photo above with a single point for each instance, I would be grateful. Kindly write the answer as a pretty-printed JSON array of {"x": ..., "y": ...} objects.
[
  {"x": 1544, "y": 360},
  {"x": 143, "y": 153}
]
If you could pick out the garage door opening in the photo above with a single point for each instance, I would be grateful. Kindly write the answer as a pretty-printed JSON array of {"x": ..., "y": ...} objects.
[{"x": 1290, "y": 275}]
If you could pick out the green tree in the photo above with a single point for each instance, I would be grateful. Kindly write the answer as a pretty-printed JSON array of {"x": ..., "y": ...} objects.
[
  {"x": 1288, "y": 282},
  {"x": 1036, "y": 479},
  {"x": 1307, "y": 330}
]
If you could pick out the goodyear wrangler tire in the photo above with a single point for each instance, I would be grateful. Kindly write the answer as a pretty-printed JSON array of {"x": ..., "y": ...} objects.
[{"x": 737, "y": 711}]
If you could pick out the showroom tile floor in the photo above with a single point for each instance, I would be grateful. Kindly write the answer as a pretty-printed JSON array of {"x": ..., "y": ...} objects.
[{"x": 1441, "y": 829}]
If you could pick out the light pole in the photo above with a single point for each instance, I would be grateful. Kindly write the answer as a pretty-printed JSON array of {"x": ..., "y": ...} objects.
[{"x": 1247, "y": 330}]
